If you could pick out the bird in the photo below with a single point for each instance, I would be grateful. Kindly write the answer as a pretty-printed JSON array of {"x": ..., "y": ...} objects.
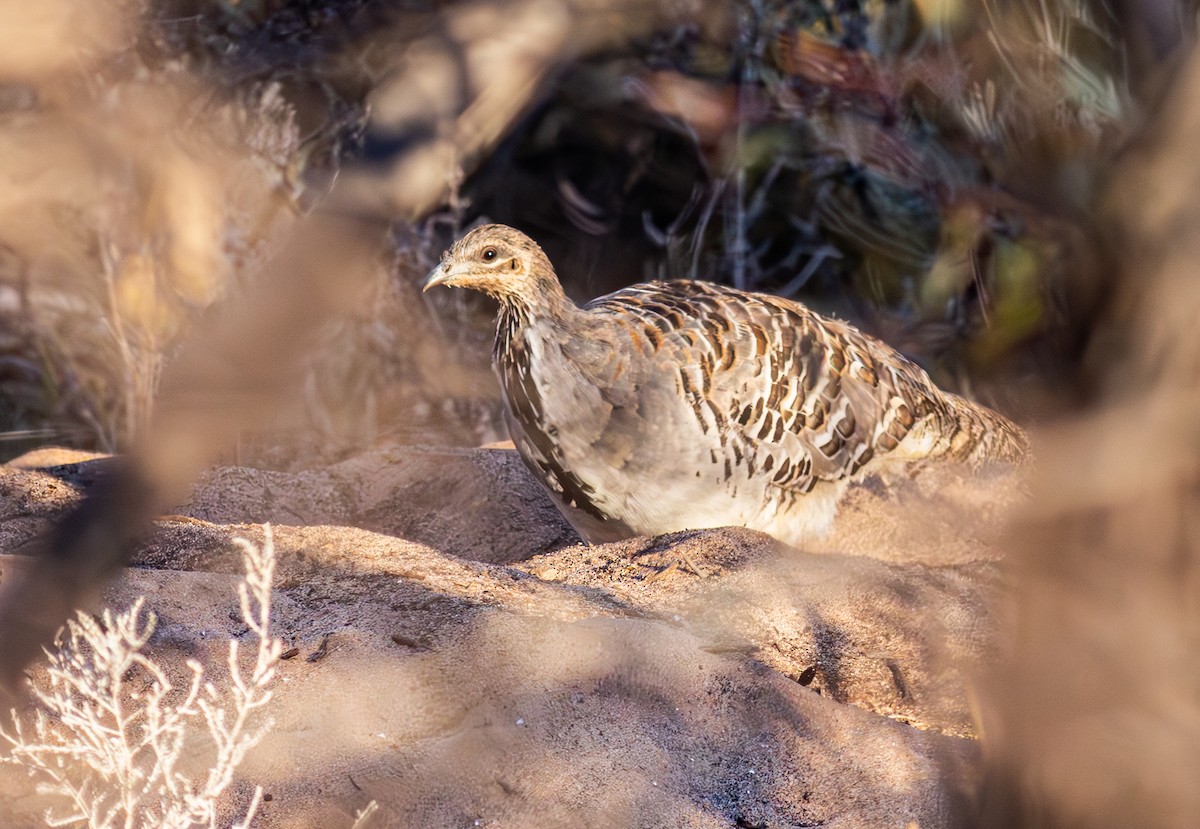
[{"x": 679, "y": 405}]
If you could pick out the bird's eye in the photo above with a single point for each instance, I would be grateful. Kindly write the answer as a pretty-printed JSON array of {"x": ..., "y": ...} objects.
[{"x": 489, "y": 254}]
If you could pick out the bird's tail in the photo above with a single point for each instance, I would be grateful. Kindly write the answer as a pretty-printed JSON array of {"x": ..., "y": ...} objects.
[{"x": 979, "y": 435}]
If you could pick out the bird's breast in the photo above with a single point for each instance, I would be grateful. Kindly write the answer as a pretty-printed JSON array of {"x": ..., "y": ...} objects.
[{"x": 622, "y": 439}]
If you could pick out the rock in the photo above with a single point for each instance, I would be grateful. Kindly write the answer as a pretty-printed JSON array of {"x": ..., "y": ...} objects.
[
  {"x": 891, "y": 638},
  {"x": 474, "y": 503},
  {"x": 475, "y": 665}
]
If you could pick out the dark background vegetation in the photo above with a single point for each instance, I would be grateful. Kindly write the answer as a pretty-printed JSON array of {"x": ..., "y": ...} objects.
[{"x": 935, "y": 172}]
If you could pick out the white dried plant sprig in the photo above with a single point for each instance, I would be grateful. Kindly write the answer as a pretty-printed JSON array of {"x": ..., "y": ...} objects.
[
  {"x": 362, "y": 818},
  {"x": 111, "y": 728}
]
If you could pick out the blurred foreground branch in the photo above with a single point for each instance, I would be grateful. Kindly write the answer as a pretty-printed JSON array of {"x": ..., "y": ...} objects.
[
  {"x": 1094, "y": 718},
  {"x": 456, "y": 92}
]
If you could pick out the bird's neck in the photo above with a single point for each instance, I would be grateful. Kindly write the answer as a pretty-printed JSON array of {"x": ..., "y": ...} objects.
[
  {"x": 553, "y": 326},
  {"x": 550, "y": 308}
]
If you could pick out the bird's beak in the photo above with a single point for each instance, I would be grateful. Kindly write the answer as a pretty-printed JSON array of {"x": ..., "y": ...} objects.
[{"x": 441, "y": 275}]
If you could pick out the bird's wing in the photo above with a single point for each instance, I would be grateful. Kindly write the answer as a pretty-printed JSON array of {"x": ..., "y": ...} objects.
[{"x": 781, "y": 391}]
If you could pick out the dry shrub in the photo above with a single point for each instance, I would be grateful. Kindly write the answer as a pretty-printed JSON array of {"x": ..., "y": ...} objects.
[
  {"x": 111, "y": 731},
  {"x": 132, "y": 196}
]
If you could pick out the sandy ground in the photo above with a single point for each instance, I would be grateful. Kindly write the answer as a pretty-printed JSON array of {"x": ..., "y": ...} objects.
[{"x": 463, "y": 660}]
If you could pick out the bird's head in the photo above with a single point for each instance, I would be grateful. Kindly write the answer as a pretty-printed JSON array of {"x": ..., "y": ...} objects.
[{"x": 499, "y": 261}]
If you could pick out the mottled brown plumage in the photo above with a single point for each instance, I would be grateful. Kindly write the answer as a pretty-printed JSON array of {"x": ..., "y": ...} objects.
[{"x": 676, "y": 405}]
